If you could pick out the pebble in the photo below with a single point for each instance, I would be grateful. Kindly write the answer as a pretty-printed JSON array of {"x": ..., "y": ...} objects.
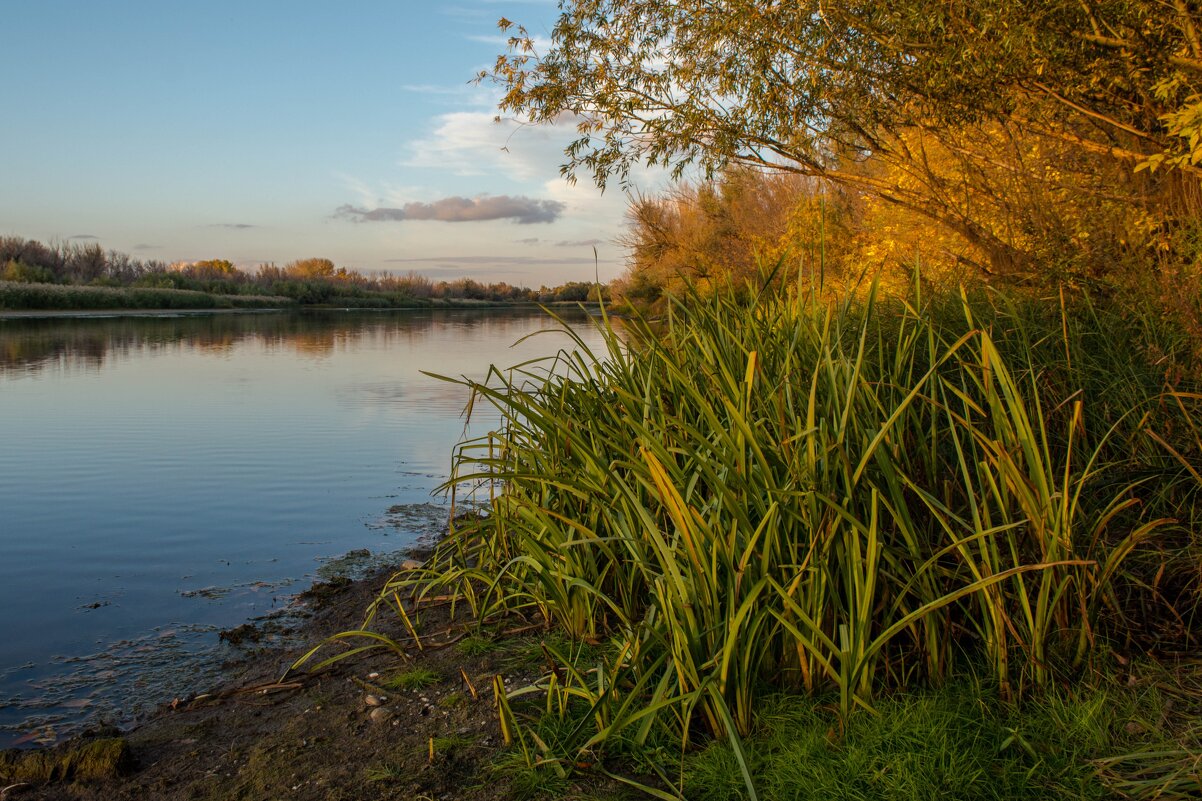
[
  {"x": 380, "y": 714},
  {"x": 411, "y": 564},
  {"x": 373, "y": 675},
  {"x": 373, "y": 700}
]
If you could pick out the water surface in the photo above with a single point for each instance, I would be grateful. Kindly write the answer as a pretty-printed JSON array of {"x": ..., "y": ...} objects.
[{"x": 164, "y": 478}]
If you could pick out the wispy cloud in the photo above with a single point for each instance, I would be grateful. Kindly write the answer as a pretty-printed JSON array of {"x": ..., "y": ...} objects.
[
  {"x": 523, "y": 210},
  {"x": 144, "y": 246},
  {"x": 458, "y": 95},
  {"x": 474, "y": 143},
  {"x": 83, "y": 236},
  {"x": 578, "y": 243},
  {"x": 438, "y": 89},
  {"x": 233, "y": 226}
]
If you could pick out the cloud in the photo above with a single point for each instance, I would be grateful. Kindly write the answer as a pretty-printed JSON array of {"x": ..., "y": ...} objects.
[
  {"x": 579, "y": 243},
  {"x": 534, "y": 240},
  {"x": 474, "y": 143},
  {"x": 233, "y": 226},
  {"x": 524, "y": 210},
  {"x": 83, "y": 236},
  {"x": 144, "y": 246}
]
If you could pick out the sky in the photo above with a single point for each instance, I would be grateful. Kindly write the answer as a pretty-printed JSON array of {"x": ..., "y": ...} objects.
[{"x": 263, "y": 131}]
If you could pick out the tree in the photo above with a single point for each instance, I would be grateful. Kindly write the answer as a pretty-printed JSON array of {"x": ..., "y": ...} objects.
[
  {"x": 731, "y": 231},
  {"x": 871, "y": 95},
  {"x": 311, "y": 268},
  {"x": 213, "y": 269}
]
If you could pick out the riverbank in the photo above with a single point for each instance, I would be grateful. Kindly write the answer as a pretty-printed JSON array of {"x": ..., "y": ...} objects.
[
  {"x": 372, "y": 727},
  {"x": 378, "y": 725}
]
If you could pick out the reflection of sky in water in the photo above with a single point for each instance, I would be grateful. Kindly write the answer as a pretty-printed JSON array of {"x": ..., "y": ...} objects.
[{"x": 143, "y": 460}]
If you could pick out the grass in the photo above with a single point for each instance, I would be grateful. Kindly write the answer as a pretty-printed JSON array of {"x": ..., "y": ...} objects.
[
  {"x": 386, "y": 772},
  {"x": 956, "y": 743},
  {"x": 54, "y": 296},
  {"x": 527, "y": 781},
  {"x": 418, "y": 678},
  {"x": 453, "y": 700},
  {"x": 959, "y": 741},
  {"x": 475, "y": 645},
  {"x": 774, "y": 495}
]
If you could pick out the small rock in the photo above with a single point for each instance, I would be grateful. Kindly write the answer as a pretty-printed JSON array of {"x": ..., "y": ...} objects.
[
  {"x": 373, "y": 675},
  {"x": 411, "y": 564},
  {"x": 380, "y": 714},
  {"x": 373, "y": 700}
]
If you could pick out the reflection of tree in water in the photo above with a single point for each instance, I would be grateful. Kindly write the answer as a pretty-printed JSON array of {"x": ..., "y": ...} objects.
[
  {"x": 30, "y": 345},
  {"x": 309, "y": 343}
]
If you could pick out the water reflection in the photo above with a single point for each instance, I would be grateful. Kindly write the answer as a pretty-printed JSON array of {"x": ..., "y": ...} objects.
[
  {"x": 177, "y": 474},
  {"x": 28, "y": 345}
]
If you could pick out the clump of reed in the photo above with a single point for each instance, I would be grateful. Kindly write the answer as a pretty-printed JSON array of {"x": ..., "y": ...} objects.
[{"x": 776, "y": 493}]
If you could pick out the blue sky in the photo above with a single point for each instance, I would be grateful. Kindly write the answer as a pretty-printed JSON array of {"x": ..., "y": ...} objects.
[{"x": 264, "y": 131}]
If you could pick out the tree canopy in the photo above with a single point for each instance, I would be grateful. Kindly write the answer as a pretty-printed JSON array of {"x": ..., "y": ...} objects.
[{"x": 942, "y": 107}]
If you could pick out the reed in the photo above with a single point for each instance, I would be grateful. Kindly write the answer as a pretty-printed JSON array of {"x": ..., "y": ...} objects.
[{"x": 781, "y": 494}]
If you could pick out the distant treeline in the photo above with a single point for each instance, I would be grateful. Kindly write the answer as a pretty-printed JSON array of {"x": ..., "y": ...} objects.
[{"x": 315, "y": 281}]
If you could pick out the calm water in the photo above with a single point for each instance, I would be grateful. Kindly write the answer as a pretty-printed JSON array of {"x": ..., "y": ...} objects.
[{"x": 164, "y": 478}]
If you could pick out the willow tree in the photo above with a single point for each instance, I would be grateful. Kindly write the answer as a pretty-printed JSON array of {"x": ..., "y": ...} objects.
[{"x": 929, "y": 104}]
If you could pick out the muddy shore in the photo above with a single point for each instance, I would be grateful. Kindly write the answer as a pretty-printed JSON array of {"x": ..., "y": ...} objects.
[{"x": 373, "y": 726}]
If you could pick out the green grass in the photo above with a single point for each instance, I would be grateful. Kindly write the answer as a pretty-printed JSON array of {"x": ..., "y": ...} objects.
[
  {"x": 526, "y": 781},
  {"x": 475, "y": 645},
  {"x": 453, "y": 700},
  {"x": 417, "y": 678},
  {"x": 957, "y": 743},
  {"x": 386, "y": 772}
]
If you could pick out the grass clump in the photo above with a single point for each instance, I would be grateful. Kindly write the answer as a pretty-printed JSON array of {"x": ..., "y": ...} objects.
[
  {"x": 453, "y": 700},
  {"x": 526, "y": 781},
  {"x": 476, "y": 645},
  {"x": 386, "y": 772},
  {"x": 418, "y": 678}
]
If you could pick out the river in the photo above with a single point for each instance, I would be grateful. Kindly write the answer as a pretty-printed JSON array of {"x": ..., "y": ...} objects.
[{"x": 166, "y": 477}]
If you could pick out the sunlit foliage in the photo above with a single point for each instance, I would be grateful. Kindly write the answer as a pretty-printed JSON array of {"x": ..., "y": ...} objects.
[{"x": 1063, "y": 129}]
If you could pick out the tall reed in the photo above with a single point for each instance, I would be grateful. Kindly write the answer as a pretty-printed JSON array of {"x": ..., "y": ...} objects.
[{"x": 781, "y": 493}]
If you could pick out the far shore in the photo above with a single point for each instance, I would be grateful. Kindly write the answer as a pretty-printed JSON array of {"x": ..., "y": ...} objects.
[
  {"x": 14, "y": 314},
  {"x": 458, "y": 304}
]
